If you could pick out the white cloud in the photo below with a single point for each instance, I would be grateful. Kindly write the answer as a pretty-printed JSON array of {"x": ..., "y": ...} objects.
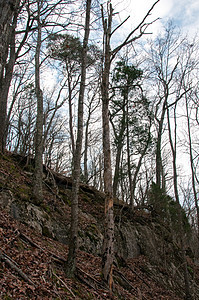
[{"x": 184, "y": 13}]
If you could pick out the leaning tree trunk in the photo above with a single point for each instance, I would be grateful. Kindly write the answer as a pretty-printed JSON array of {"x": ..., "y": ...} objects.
[
  {"x": 38, "y": 172},
  {"x": 70, "y": 266}
]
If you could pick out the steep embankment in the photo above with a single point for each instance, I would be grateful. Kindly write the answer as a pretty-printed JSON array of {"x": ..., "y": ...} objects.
[{"x": 33, "y": 246}]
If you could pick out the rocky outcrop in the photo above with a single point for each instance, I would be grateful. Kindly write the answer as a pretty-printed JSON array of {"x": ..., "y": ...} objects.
[
  {"x": 54, "y": 224},
  {"x": 137, "y": 233}
]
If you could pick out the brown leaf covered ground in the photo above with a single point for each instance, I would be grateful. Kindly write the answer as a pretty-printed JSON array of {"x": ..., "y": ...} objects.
[
  {"x": 42, "y": 266},
  {"x": 41, "y": 259}
]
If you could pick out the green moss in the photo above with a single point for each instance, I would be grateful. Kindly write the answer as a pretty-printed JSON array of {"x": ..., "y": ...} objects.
[
  {"x": 93, "y": 227},
  {"x": 66, "y": 198},
  {"x": 46, "y": 208},
  {"x": 6, "y": 297},
  {"x": 190, "y": 270},
  {"x": 23, "y": 192},
  {"x": 12, "y": 167}
]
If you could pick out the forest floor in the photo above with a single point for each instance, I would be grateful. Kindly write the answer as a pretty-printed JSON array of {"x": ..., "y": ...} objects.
[{"x": 31, "y": 265}]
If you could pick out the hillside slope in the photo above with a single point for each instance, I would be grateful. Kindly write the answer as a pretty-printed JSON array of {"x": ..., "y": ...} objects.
[{"x": 33, "y": 244}]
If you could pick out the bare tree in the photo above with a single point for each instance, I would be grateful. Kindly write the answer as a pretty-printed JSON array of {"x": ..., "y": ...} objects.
[
  {"x": 165, "y": 59},
  {"x": 182, "y": 89},
  {"x": 190, "y": 67},
  {"x": 91, "y": 108},
  {"x": 38, "y": 171},
  {"x": 17, "y": 23},
  {"x": 73, "y": 243},
  {"x": 173, "y": 145},
  {"x": 109, "y": 55},
  {"x": 191, "y": 157},
  {"x": 8, "y": 22}
]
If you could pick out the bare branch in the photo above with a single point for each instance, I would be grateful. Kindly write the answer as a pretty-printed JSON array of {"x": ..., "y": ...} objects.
[
  {"x": 120, "y": 25},
  {"x": 142, "y": 26}
]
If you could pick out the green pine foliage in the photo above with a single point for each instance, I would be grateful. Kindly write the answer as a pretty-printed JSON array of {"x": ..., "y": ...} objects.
[{"x": 166, "y": 208}]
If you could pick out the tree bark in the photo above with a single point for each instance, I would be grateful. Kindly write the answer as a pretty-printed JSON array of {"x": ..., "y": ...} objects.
[
  {"x": 38, "y": 172},
  {"x": 70, "y": 266},
  {"x": 181, "y": 229},
  {"x": 8, "y": 22},
  {"x": 159, "y": 166},
  {"x": 120, "y": 143},
  {"x": 140, "y": 163},
  {"x": 117, "y": 168},
  {"x": 192, "y": 165},
  {"x": 129, "y": 160},
  {"x": 71, "y": 116},
  {"x": 108, "y": 242},
  {"x": 86, "y": 149}
]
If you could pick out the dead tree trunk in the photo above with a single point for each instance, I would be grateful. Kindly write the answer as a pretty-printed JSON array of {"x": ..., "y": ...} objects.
[{"x": 108, "y": 242}]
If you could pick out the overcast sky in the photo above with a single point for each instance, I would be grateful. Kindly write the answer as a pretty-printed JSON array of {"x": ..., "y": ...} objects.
[{"x": 184, "y": 13}]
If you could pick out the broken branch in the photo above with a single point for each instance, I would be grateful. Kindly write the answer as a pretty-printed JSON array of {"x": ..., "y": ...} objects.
[{"x": 10, "y": 262}]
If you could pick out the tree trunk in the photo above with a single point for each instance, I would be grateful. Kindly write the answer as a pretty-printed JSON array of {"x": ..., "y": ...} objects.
[
  {"x": 108, "y": 242},
  {"x": 120, "y": 143},
  {"x": 140, "y": 163},
  {"x": 117, "y": 169},
  {"x": 159, "y": 166},
  {"x": 70, "y": 266},
  {"x": 86, "y": 147},
  {"x": 71, "y": 116},
  {"x": 181, "y": 230},
  {"x": 38, "y": 172},
  {"x": 8, "y": 22},
  {"x": 192, "y": 165},
  {"x": 129, "y": 161}
]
